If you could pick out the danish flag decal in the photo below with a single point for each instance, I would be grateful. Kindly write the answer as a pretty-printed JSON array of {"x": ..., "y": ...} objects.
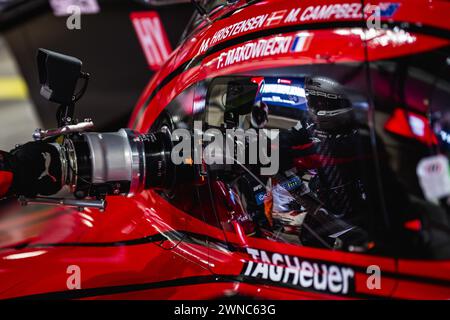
[{"x": 152, "y": 37}]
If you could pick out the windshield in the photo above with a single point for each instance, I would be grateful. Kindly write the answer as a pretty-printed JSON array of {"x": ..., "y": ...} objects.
[
  {"x": 333, "y": 187},
  {"x": 319, "y": 193},
  {"x": 212, "y": 7}
]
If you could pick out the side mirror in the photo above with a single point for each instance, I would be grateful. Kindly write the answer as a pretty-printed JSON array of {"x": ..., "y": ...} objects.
[
  {"x": 58, "y": 76},
  {"x": 241, "y": 93}
]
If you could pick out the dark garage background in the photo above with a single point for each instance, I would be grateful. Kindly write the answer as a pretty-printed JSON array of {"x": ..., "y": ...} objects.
[{"x": 107, "y": 45}]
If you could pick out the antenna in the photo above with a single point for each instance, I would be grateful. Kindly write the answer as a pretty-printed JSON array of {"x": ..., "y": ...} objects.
[{"x": 201, "y": 10}]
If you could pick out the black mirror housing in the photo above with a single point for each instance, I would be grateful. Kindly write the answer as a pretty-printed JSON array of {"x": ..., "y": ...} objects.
[{"x": 58, "y": 76}]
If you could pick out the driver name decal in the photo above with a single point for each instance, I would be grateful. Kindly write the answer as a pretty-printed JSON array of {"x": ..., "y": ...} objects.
[
  {"x": 304, "y": 274},
  {"x": 308, "y": 14},
  {"x": 254, "y": 50}
]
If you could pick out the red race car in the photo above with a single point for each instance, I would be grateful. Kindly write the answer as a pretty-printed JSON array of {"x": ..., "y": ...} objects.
[{"x": 352, "y": 201}]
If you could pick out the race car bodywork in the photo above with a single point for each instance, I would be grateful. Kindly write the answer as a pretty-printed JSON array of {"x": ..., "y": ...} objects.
[{"x": 194, "y": 242}]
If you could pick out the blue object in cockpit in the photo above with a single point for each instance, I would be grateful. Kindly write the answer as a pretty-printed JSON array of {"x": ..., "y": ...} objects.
[{"x": 283, "y": 92}]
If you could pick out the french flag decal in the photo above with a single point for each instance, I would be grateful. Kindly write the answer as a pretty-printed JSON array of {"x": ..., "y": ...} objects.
[
  {"x": 387, "y": 10},
  {"x": 301, "y": 42},
  {"x": 152, "y": 37}
]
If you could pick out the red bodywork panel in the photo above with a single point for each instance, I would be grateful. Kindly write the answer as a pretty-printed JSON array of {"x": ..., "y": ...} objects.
[
  {"x": 145, "y": 248},
  {"x": 6, "y": 179}
]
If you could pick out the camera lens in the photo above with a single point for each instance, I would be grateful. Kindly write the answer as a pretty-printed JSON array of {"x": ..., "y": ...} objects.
[
  {"x": 160, "y": 171},
  {"x": 123, "y": 162}
]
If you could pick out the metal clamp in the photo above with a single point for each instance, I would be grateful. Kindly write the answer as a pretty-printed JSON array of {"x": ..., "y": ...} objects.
[
  {"x": 76, "y": 203},
  {"x": 40, "y": 134}
]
